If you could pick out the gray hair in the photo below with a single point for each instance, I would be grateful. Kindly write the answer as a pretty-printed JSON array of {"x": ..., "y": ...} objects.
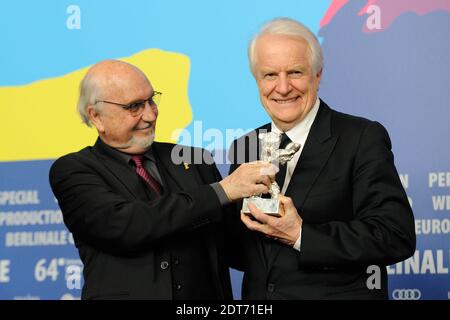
[
  {"x": 89, "y": 94},
  {"x": 289, "y": 27},
  {"x": 93, "y": 85}
]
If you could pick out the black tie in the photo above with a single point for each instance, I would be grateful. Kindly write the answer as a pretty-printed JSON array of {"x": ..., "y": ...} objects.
[{"x": 281, "y": 175}]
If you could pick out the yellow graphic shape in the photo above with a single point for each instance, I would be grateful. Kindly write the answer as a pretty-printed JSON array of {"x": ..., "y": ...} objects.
[{"x": 40, "y": 121}]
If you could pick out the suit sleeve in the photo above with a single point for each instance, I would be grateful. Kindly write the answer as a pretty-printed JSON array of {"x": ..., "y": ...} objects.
[
  {"x": 101, "y": 217},
  {"x": 382, "y": 229},
  {"x": 236, "y": 231}
]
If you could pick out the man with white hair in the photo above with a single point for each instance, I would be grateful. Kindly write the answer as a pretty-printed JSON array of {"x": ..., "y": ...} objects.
[
  {"x": 146, "y": 226},
  {"x": 345, "y": 215}
]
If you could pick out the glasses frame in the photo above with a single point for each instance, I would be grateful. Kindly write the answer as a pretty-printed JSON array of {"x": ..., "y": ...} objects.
[{"x": 135, "y": 108}]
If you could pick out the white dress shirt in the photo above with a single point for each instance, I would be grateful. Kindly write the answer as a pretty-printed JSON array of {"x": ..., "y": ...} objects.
[{"x": 297, "y": 134}]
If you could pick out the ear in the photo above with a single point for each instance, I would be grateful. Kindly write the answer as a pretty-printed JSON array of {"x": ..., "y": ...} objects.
[
  {"x": 95, "y": 118},
  {"x": 319, "y": 74},
  {"x": 318, "y": 77}
]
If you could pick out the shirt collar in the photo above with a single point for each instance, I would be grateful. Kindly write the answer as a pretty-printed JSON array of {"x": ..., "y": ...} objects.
[
  {"x": 125, "y": 157},
  {"x": 298, "y": 131}
]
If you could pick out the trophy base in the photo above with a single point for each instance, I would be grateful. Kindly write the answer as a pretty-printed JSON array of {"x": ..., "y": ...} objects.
[{"x": 268, "y": 206}]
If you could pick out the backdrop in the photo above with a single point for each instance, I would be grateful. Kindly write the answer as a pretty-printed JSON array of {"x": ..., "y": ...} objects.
[{"x": 385, "y": 60}]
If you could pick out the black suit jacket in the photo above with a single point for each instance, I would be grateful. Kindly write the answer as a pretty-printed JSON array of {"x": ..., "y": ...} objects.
[
  {"x": 122, "y": 236},
  {"x": 355, "y": 214}
]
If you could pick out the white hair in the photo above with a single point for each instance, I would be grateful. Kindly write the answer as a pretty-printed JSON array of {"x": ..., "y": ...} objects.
[
  {"x": 292, "y": 28},
  {"x": 89, "y": 95}
]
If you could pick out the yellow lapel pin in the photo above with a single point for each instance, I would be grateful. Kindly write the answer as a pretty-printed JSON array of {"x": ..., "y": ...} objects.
[{"x": 186, "y": 166}]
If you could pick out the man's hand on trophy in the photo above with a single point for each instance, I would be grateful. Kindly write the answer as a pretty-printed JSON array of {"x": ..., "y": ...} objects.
[
  {"x": 249, "y": 179},
  {"x": 285, "y": 229}
]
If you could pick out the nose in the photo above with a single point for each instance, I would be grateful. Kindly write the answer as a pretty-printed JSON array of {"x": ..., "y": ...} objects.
[
  {"x": 150, "y": 112},
  {"x": 283, "y": 84}
]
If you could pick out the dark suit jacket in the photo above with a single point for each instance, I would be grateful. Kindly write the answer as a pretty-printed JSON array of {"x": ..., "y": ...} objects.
[
  {"x": 355, "y": 214},
  {"x": 124, "y": 238}
]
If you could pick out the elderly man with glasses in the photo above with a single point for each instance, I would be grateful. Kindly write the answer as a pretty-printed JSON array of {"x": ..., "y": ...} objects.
[{"x": 145, "y": 226}]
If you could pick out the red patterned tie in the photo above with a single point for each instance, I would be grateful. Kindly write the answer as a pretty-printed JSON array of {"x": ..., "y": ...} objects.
[{"x": 143, "y": 173}]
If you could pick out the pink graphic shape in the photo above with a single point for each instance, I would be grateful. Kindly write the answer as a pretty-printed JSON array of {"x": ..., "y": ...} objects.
[{"x": 389, "y": 10}]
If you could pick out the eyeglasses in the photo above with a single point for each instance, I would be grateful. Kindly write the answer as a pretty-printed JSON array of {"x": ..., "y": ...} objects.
[{"x": 137, "y": 108}]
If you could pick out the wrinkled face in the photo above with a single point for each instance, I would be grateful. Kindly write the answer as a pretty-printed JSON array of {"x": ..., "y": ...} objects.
[
  {"x": 287, "y": 85},
  {"x": 116, "y": 126}
]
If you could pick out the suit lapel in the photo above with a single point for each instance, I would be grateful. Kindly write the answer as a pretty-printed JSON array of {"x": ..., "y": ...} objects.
[
  {"x": 183, "y": 176},
  {"x": 317, "y": 150},
  {"x": 124, "y": 174}
]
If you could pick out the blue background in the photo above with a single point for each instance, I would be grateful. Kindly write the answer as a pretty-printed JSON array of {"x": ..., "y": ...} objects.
[{"x": 399, "y": 77}]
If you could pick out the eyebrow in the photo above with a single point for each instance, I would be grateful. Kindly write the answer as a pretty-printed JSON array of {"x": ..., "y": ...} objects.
[
  {"x": 297, "y": 67},
  {"x": 294, "y": 67},
  {"x": 264, "y": 71}
]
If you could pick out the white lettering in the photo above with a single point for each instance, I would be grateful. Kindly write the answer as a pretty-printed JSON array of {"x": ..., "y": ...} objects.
[
  {"x": 193, "y": 310},
  {"x": 4, "y": 271},
  {"x": 73, "y": 277},
  {"x": 429, "y": 262},
  {"x": 374, "y": 280},
  {"x": 404, "y": 178},
  {"x": 214, "y": 139},
  {"x": 432, "y": 226},
  {"x": 439, "y": 179},
  {"x": 25, "y": 218},
  {"x": 19, "y": 197},
  {"x": 410, "y": 202},
  {"x": 374, "y": 19},
  {"x": 37, "y": 238},
  {"x": 73, "y": 21},
  {"x": 441, "y": 203}
]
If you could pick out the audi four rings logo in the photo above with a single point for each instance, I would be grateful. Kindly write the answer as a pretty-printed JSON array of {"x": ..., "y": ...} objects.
[{"x": 406, "y": 294}]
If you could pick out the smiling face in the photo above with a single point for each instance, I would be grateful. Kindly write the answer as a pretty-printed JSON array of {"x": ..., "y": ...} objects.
[
  {"x": 286, "y": 82},
  {"x": 115, "y": 125}
]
